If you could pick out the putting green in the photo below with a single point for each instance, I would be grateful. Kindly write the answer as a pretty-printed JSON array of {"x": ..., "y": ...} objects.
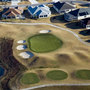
[
  {"x": 57, "y": 75},
  {"x": 44, "y": 43},
  {"x": 83, "y": 74},
  {"x": 29, "y": 78}
]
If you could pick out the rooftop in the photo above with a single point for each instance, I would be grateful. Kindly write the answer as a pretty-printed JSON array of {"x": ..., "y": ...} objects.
[
  {"x": 37, "y": 10},
  {"x": 80, "y": 12},
  {"x": 64, "y": 5}
]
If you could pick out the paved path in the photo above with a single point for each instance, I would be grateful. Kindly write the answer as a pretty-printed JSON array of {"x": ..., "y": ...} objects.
[
  {"x": 61, "y": 28},
  {"x": 50, "y": 85}
]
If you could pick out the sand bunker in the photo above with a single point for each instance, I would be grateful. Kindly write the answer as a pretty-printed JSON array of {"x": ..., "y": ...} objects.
[
  {"x": 26, "y": 55},
  {"x": 21, "y": 47},
  {"x": 44, "y": 31},
  {"x": 21, "y": 41}
]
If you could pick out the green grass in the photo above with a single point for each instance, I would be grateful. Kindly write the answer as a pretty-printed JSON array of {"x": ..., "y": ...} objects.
[
  {"x": 29, "y": 78},
  {"x": 57, "y": 75},
  {"x": 83, "y": 74},
  {"x": 44, "y": 43}
]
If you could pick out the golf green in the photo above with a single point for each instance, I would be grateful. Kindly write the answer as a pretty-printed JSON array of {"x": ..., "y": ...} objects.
[
  {"x": 44, "y": 43},
  {"x": 29, "y": 78},
  {"x": 57, "y": 75},
  {"x": 83, "y": 74}
]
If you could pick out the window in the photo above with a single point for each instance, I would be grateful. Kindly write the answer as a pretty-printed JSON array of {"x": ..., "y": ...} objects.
[
  {"x": 41, "y": 16},
  {"x": 88, "y": 26},
  {"x": 82, "y": 14},
  {"x": 62, "y": 12},
  {"x": 45, "y": 15}
]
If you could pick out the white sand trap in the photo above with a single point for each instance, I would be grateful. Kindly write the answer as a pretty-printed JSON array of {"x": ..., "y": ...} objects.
[
  {"x": 21, "y": 41},
  {"x": 21, "y": 47},
  {"x": 26, "y": 55},
  {"x": 44, "y": 31}
]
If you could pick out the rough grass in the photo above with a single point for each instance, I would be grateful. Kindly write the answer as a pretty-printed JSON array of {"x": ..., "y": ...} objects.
[
  {"x": 29, "y": 78},
  {"x": 44, "y": 43},
  {"x": 57, "y": 75},
  {"x": 83, "y": 74}
]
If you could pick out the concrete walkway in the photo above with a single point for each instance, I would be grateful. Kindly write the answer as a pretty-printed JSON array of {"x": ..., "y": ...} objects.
[
  {"x": 61, "y": 28},
  {"x": 50, "y": 85}
]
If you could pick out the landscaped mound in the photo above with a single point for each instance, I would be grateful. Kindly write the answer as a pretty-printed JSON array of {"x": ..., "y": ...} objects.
[
  {"x": 83, "y": 74},
  {"x": 44, "y": 43},
  {"x": 57, "y": 75},
  {"x": 29, "y": 78}
]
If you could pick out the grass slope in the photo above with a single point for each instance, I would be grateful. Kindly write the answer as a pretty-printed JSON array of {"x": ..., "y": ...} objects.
[
  {"x": 29, "y": 78},
  {"x": 83, "y": 74},
  {"x": 57, "y": 75},
  {"x": 44, "y": 43}
]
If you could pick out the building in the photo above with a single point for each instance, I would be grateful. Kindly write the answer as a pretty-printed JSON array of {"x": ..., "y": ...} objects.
[
  {"x": 85, "y": 23},
  {"x": 63, "y": 7},
  {"x": 9, "y": 13},
  {"x": 77, "y": 14},
  {"x": 40, "y": 11}
]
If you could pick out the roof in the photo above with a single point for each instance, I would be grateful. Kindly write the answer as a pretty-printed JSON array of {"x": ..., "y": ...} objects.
[
  {"x": 11, "y": 12},
  {"x": 32, "y": 10},
  {"x": 63, "y": 6},
  {"x": 37, "y": 10},
  {"x": 80, "y": 12}
]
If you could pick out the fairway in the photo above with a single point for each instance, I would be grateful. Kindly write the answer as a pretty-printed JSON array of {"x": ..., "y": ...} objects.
[
  {"x": 83, "y": 74},
  {"x": 29, "y": 78},
  {"x": 44, "y": 43},
  {"x": 57, "y": 75}
]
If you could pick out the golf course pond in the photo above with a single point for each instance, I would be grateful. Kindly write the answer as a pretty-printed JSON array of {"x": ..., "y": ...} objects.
[{"x": 2, "y": 70}]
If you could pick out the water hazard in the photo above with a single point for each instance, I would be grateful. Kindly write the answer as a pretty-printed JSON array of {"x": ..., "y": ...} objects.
[{"x": 1, "y": 71}]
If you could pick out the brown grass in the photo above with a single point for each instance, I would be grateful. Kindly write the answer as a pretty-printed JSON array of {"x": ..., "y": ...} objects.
[{"x": 72, "y": 56}]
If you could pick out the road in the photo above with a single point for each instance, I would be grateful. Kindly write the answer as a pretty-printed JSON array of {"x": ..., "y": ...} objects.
[{"x": 61, "y": 28}]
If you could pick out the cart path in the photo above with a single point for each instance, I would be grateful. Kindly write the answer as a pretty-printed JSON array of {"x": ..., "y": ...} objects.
[
  {"x": 51, "y": 85},
  {"x": 61, "y": 28}
]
